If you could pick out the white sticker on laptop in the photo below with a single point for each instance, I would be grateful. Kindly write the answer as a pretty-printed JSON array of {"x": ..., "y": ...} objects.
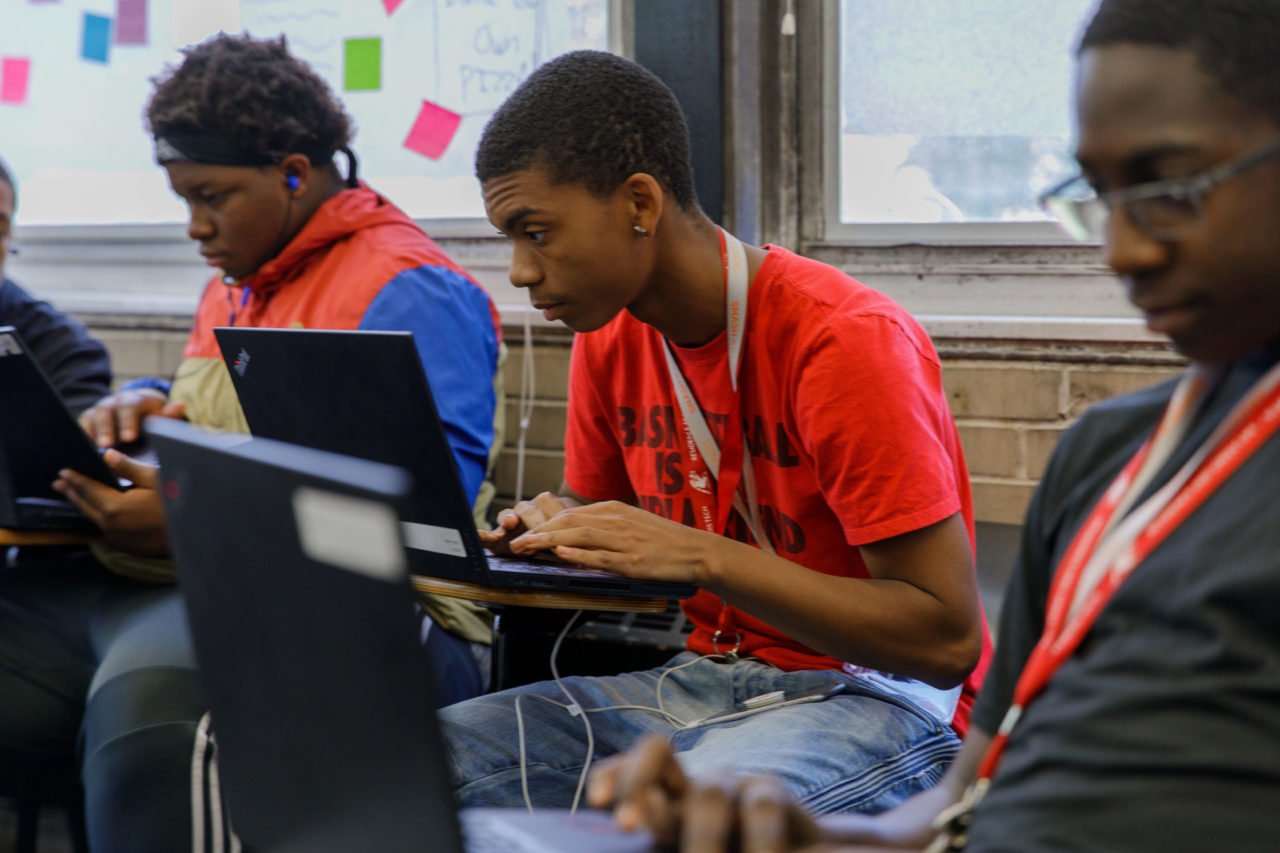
[
  {"x": 351, "y": 533},
  {"x": 437, "y": 540}
]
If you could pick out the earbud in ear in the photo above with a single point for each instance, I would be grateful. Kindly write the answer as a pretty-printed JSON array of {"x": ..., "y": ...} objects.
[{"x": 291, "y": 181}]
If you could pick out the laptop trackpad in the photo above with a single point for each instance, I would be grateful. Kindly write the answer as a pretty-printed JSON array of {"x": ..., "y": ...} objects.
[{"x": 549, "y": 831}]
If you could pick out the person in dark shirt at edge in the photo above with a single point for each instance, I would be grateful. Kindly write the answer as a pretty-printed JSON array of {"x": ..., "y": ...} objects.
[
  {"x": 1148, "y": 718},
  {"x": 77, "y": 364}
]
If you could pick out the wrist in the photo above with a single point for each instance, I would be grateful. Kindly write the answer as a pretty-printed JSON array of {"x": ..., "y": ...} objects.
[{"x": 709, "y": 563}]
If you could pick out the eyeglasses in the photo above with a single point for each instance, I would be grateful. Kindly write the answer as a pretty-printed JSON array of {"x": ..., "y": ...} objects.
[{"x": 1162, "y": 210}]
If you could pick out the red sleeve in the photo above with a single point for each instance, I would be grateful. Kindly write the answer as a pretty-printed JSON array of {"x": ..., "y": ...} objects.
[
  {"x": 871, "y": 411},
  {"x": 593, "y": 464}
]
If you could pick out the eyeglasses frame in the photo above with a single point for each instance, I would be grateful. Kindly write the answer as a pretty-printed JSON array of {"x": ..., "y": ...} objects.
[{"x": 1191, "y": 190}]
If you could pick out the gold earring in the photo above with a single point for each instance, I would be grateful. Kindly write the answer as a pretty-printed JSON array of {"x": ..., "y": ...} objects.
[{"x": 640, "y": 230}]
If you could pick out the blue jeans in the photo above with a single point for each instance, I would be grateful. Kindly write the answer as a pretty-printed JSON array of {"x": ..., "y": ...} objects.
[{"x": 862, "y": 750}]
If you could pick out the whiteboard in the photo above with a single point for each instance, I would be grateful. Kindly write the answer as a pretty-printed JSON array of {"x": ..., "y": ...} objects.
[{"x": 74, "y": 83}]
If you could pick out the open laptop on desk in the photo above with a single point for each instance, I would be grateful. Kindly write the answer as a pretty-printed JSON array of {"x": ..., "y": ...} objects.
[
  {"x": 365, "y": 394},
  {"x": 295, "y": 579},
  {"x": 38, "y": 438}
]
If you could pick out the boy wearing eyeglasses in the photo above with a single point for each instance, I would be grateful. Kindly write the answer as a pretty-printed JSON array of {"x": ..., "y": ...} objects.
[{"x": 1134, "y": 700}]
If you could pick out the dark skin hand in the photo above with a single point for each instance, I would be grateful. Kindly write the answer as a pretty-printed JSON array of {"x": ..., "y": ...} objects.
[
  {"x": 647, "y": 789},
  {"x": 923, "y": 577},
  {"x": 132, "y": 521},
  {"x": 620, "y": 538},
  {"x": 117, "y": 419},
  {"x": 715, "y": 814},
  {"x": 525, "y": 516}
]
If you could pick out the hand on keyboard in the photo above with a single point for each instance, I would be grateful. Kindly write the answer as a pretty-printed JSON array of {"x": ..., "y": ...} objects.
[{"x": 523, "y": 517}]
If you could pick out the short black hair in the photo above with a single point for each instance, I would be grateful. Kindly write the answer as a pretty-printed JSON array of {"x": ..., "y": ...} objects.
[
  {"x": 1236, "y": 42},
  {"x": 254, "y": 93},
  {"x": 6, "y": 177},
  {"x": 594, "y": 119}
]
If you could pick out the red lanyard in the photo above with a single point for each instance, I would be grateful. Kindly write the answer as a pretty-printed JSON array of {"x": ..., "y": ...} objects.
[
  {"x": 726, "y": 461},
  {"x": 1072, "y": 608}
]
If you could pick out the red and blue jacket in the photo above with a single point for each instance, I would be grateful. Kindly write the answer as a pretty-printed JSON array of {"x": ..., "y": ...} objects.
[{"x": 361, "y": 263}]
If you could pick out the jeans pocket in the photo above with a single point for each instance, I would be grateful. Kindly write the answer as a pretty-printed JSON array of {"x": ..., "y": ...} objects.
[{"x": 863, "y": 687}]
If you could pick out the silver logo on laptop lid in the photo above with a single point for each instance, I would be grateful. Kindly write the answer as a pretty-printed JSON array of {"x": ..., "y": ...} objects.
[
  {"x": 9, "y": 345},
  {"x": 241, "y": 363}
]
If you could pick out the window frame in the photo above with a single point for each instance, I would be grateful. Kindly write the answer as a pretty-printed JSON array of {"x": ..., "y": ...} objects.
[
  {"x": 898, "y": 233},
  {"x": 1007, "y": 275}
]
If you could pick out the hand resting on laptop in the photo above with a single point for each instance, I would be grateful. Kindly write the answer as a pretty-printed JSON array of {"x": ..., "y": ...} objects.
[
  {"x": 626, "y": 540},
  {"x": 133, "y": 520},
  {"x": 521, "y": 518},
  {"x": 117, "y": 419},
  {"x": 647, "y": 788}
]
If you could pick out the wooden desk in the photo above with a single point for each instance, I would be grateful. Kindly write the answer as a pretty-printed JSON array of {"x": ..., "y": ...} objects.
[
  {"x": 512, "y": 609},
  {"x": 541, "y": 598},
  {"x": 44, "y": 537}
]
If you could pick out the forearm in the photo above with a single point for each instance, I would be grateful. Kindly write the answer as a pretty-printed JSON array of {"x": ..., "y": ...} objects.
[
  {"x": 885, "y": 624},
  {"x": 917, "y": 615},
  {"x": 910, "y": 825}
]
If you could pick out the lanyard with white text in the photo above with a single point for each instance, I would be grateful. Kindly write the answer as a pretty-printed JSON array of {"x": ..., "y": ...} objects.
[
  {"x": 727, "y": 462},
  {"x": 1105, "y": 551}
]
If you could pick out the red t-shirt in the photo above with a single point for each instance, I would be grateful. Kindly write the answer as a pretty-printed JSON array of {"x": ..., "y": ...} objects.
[{"x": 844, "y": 417}]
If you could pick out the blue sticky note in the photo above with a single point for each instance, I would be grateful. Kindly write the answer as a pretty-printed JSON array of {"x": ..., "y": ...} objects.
[{"x": 96, "y": 42}]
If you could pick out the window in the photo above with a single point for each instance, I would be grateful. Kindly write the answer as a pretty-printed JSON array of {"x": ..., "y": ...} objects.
[
  {"x": 950, "y": 113},
  {"x": 76, "y": 81}
]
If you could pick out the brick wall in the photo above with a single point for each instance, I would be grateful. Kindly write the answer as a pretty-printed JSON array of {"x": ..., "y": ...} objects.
[
  {"x": 1011, "y": 404},
  {"x": 1011, "y": 401}
]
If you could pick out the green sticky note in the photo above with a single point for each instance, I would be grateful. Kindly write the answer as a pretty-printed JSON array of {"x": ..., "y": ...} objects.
[{"x": 363, "y": 65}]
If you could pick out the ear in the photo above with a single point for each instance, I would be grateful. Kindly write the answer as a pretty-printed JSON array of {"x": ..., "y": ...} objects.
[
  {"x": 297, "y": 166},
  {"x": 645, "y": 201}
]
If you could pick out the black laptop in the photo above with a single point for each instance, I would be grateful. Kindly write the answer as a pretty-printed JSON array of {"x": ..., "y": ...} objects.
[
  {"x": 365, "y": 394},
  {"x": 38, "y": 438},
  {"x": 301, "y": 613}
]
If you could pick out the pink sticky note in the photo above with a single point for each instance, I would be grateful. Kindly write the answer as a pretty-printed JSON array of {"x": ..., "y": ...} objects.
[
  {"x": 14, "y": 74},
  {"x": 392, "y": 5},
  {"x": 433, "y": 130},
  {"x": 131, "y": 22}
]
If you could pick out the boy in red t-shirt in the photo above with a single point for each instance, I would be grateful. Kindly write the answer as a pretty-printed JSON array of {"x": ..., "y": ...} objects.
[{"x": 740, "y": 418}]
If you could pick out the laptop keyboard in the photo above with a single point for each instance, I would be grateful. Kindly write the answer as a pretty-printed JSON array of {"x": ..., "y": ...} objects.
[
  {"x": 47, "y": 514},
  {"x": 539, "y": 567}
]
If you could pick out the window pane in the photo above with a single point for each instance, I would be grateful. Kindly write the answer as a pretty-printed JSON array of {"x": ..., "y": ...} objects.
[
  {"x": 954, "y": 110},
  {"x": 419, "y": 78}
]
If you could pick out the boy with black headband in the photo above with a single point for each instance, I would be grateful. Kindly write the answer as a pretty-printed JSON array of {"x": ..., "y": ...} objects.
[
  {"x": 247, "y": 135},
  {"x": 831, "y": 541},
  {"x": 1134, "y": 700}
]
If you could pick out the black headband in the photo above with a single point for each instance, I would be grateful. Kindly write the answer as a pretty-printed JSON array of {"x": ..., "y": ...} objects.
[{"x": 194, "y": 146}]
